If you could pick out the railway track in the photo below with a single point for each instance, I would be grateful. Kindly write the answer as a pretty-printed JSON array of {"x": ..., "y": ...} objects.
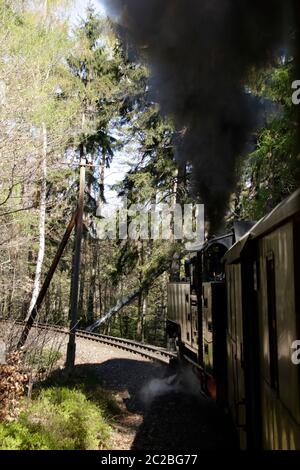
[{"x": 148, "y": 351}]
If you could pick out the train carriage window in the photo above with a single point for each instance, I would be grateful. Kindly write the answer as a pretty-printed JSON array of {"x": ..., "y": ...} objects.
[
  {"x": 195, "y": 281},
  {"x": 187, "y": 269},
  {"x": 272, "y": 323},
  {"x": 213, "y": 267},
  {"x": 233, "y": 302},
  {"x": 255, "y": 276},
  {"x": 228, "y": 283}
]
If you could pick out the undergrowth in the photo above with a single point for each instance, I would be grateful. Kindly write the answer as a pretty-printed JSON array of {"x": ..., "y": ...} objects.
[
  {"x": 59, "y": 418},
  {"x": 44, "y": 358}
]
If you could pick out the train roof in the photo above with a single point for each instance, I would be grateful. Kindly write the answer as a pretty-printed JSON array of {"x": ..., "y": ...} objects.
[
  {"x": 280, "y": 214},
  {"x": 227, "y": 239}
]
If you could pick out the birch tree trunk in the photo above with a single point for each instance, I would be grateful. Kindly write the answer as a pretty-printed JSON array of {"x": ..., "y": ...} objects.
[
  {"x": 143, "y": 316},
  {"x": 42, "y": 220}
]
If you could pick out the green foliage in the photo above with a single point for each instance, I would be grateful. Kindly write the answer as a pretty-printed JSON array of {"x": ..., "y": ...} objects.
[
  {"x": 98, "y": 71},
  {"x": 94, "y": 102},
  {"x": 271, "y": 171},
  {"x": 45, "y": 358},
  {"x": 84, "y": 379},
  {"x": 59, "y": 419}
]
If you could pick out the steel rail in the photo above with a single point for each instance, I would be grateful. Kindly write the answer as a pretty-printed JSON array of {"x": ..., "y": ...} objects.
[{"x": 145, "y": 350}]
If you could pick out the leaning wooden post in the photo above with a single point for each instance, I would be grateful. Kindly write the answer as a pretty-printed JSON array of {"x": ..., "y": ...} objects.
[
  {"x": 46, "y": 283},
  {"x": 71, "y": 350}
]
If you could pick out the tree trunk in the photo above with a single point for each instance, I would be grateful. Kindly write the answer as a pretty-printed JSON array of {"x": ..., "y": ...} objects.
[
  {"x": 42, "y": 220},
  {"x": 156, "y": 269},
  {"x": 142, "y": 311},
  {"x": 139, "y": 324},
  {"x": 115, "y": 309},
  {"x": 82, "y": 314},
  {"x": 178, "y": 189},
  {"x": 102, "y": 178},
  {"x": 92, "y": 283}
]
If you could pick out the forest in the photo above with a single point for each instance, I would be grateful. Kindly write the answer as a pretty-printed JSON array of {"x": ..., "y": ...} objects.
[
  {"x": 74, "y": 95},
  {"x": 72, "y": 92}
]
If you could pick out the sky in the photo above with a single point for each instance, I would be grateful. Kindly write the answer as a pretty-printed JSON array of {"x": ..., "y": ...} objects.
[{"x": 80, "y": 7}]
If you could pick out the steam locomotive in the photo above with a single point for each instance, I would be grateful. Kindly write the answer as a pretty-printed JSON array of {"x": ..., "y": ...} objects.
[{"x": 235, "y": 313}]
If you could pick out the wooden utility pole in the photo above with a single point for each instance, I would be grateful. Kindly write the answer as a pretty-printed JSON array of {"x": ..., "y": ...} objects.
[{"x": 70, "y": 361}]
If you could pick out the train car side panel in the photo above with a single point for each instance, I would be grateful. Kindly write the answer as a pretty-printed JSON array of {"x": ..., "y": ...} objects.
[
  {"x": 179, "y": 311},
  {"x": 207, "y": 322},
  {"x": 235, "y": 345},
  {"x": 278, "y": 330}
]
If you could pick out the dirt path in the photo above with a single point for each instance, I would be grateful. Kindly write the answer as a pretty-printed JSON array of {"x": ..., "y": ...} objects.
[{"x": 161, "y": 409}]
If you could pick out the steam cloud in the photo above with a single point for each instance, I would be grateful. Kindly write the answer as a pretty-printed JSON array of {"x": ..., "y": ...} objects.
[
  {"x": 200, "y": 52},
  {"x": 184, "y": 381}
]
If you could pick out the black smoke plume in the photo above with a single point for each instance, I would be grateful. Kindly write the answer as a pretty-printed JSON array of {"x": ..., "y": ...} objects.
[{"x": 200, "y": 52}]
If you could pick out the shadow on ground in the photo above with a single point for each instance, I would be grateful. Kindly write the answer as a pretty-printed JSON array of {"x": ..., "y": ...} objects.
[
  {"x": 174, "y": 419},
  {"x": 179, "y": 421}
]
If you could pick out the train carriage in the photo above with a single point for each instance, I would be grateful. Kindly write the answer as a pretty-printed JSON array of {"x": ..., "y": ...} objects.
[
  {"x": 262, "y": 273},
  {"x": 237, "y": 314}
]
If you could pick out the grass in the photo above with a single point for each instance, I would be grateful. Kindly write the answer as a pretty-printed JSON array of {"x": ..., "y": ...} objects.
[
  {"x": 85, "y": 379},
  {"x": 66, "y": 413},
  {"x": 45, "y": 358}
]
